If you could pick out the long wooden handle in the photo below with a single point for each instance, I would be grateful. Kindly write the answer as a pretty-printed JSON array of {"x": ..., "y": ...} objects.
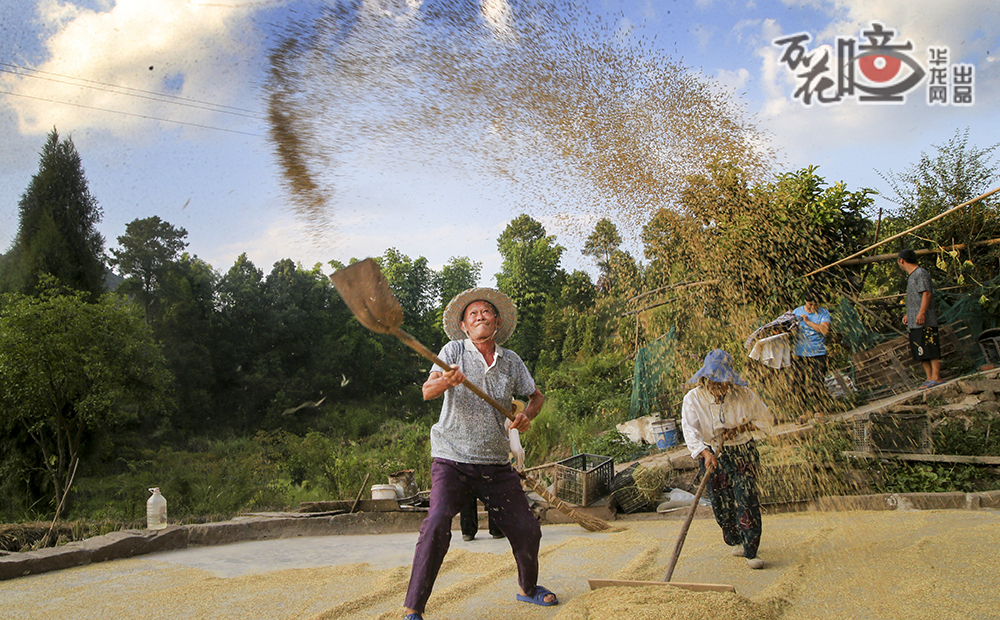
[
  {"x": 414, "y": 344},
  {"x": 687, "y": 523},
  {"x": 357, "y": 499}
]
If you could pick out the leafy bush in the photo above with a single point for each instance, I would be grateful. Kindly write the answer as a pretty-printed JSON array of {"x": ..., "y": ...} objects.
[
  {"x": 269, "y": 471},
  {"x": 598, "y": 385},
  {"x": 891, "y": 477},
  {"x": 617, "y": 446},
  {"x": 973, "y": 435}
]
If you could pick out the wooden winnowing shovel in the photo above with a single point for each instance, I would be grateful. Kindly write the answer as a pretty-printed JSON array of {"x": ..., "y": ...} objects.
[
  {"x": 697, "y": 587},
  {"x": 366, "y": 292}
]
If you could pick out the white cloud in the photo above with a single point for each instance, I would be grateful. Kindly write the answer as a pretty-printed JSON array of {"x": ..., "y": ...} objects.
[
  {"x": 624, "y": 30},
  {"x": 354, "y": 236},
  {"x": 184, "y": 48},
  {"x": 747, "y": 28},
  {"x": 498, "y": 17},
  {"x": 703, "y": 34},
  {"x": 969, "y": 27},
  {"x": 733, "y": 81}
]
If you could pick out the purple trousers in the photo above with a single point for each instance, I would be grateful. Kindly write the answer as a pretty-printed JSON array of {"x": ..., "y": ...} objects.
[{"x": 452, "y": 485}]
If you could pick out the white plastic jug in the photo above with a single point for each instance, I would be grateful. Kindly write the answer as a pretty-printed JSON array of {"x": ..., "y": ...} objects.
[{"x": 156, "y": 510}]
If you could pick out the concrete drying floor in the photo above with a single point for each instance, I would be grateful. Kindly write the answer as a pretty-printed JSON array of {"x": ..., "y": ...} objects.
[{"x": 934, "y": 564}]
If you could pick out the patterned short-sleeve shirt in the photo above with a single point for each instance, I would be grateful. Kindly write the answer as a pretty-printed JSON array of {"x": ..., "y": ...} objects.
[
  {"x": 469, "y": 429},
  {"x": 918, "y": 282}
]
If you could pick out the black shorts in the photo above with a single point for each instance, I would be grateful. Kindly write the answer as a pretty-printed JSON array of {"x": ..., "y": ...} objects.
[{"x": 925, "y": 344}]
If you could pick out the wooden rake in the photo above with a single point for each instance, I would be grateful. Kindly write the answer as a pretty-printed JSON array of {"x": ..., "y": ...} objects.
[
  {"x": 366, "y": 292},
  {"x": 696, "y": 587}
]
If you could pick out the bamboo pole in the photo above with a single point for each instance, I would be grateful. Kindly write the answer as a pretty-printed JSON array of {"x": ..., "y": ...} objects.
[
  {"x": 898, "y": 295},
  {"x": 905, "y": 232},
  {"x": 884, "y": 257}
]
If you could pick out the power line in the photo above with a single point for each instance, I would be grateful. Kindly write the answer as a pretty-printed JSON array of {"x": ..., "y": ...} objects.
[
  {"x": 208, "y": 106},
  {"x": 184, "y": 101},
  {"x": 152, "y": 118},
  {"x": 161, "y": 97}
]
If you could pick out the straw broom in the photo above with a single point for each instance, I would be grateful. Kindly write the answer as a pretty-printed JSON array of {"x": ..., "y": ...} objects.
[{"x": 584, "y": 520}]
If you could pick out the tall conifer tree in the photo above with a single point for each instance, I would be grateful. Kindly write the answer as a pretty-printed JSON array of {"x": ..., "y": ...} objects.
[{"x": 57, "y": 232}]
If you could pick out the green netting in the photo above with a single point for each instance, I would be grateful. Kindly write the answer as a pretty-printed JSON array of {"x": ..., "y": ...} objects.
[
  {"x": 651, "y": 362},
  {"x": 967, "y": 309},
  {"x": 856, "y": 336}
]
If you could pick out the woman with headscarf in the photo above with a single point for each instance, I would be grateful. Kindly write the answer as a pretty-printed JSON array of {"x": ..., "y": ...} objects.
[{"x": 720, "y": 409}]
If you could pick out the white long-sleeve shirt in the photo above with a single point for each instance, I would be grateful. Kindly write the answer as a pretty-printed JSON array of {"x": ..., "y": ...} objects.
[{"x": 702, "y": 420}]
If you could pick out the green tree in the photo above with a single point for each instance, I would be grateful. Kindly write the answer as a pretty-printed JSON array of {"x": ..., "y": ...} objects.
[
  {"x": 955, "y": 173},
  {"x": 601, "y": 245},
  {"x": 563, "y": 312},
  {"x": 671, "y": 241},
  {"x": 240, "y": 334},
  {"x": 578, "y": 291},
  {"x": 57, "y": 230},
  {"x": 70, "y": 369},
  {"x": 148, "y": 248},
  {"x": 757, "y": 241},
  {"x": 415, "y": 285},
  {"x": 184, "y": 323},
  {"x": 530, "y": 274},
  {"x": 459, "y": 274},
  {"x": 301, "y": 361}
]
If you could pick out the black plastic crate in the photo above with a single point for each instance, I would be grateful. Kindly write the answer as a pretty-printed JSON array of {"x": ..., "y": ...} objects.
[
  {"x": 893, "y": 432},
  {"x": 583, "y": 479}
]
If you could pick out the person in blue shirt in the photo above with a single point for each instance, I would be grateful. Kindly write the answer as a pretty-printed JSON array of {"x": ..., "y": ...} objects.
[{"x": 809, "y": 352}]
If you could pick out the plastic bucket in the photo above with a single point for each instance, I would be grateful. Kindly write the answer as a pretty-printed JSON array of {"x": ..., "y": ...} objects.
[
  {"x": 665, "y": 432},
  {"x": 383, "y": 491}
]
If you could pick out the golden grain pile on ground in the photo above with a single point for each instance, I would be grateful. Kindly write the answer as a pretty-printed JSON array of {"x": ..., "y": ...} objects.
[
  {"x": 662, "y": 603},
  {"x": 933, "y": 565}
]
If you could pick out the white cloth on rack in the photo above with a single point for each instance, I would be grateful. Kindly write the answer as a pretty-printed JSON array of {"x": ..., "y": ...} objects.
[
  {"x": 787, "y": 322},
  {"x": 773, "y": 351}
]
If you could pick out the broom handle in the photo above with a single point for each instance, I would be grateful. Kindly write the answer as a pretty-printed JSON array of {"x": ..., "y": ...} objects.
[
  {"x": 414, "y": 344},
  {"x": 687, "y": 522}
]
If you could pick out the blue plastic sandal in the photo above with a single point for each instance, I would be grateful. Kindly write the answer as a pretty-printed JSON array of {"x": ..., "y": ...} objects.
[{"x": 539, "y": 597}]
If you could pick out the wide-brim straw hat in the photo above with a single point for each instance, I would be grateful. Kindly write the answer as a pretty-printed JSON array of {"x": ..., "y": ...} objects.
[
  {"x": 718, "y": 367},
  {"x": 505, "y": 307}
]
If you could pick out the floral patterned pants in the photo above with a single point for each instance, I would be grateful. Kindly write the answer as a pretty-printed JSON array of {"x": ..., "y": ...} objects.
[{"x": 732, "y": 488}]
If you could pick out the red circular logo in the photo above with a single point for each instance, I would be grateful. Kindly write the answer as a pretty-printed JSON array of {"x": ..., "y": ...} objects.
[{"x": 879, "y": 68}]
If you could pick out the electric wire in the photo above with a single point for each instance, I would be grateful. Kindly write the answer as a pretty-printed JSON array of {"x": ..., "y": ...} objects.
[
  {"x": 187, "y": 101},
  {"x": 183, "y": 101},
  {"x": 144, "y": 116}
]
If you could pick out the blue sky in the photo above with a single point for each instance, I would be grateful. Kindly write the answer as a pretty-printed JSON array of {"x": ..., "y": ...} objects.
[{"x": 202, "y": 160}]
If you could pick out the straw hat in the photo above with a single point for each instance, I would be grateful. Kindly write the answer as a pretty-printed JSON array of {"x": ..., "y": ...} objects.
[
  {"x": 455, "y": 311},
  {"x": 718, "y": 367}
]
